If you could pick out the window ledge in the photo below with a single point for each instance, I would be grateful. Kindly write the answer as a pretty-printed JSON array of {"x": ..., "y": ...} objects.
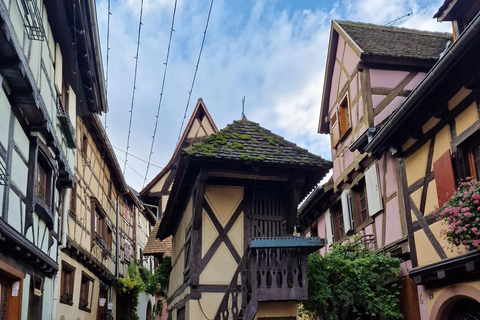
[
  {"x": 43, "y": 210},
  {"x": 70, "y": 303}
]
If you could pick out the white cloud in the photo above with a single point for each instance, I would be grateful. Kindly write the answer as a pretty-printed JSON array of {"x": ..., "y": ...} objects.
[{"x": 273, "y": 55}]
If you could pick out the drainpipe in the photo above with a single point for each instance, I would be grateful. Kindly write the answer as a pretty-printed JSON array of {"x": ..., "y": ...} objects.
[
  {"x": 117, "y": 247},
  {"x": 155, "y": 207},
  {"x": 65, "y": 194}
]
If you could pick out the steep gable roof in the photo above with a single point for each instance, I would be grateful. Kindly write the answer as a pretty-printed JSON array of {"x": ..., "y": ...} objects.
[
  {"x": 396, "y": 42},
  {"x": 199, "y": 112},
  {"x": 247, "y": 141},
  {"x": 392, "y": 47}
]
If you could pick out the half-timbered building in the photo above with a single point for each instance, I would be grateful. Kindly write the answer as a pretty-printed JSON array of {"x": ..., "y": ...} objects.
[
  {"x": 155, "y": 195},
  {"x": 232, "y": 212},
  {"x": 434, "y": 136},
  {"x": 370, "y": 71},
  {"x": 50, "y": 72}
]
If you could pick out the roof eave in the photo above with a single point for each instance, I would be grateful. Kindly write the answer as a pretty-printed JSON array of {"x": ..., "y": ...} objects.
[{"x": 436, "y": 74}]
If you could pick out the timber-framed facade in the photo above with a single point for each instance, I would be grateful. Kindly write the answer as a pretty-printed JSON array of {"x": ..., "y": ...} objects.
[{"x": 442, "y": 114}]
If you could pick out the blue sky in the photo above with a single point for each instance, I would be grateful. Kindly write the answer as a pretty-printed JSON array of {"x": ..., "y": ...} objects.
[{"x": 272, "y": 52}]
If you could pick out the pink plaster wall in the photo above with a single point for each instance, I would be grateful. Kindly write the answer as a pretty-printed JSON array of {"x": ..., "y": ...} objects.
[
  {"x": 388, "y": 110},
  {"x": 340, "y": 48},
  {"x": 381, "y": 172},
  {"x": 393, "y": 225},
  {"x": 422, "y": 299},
  {"x": 354, "y": 115},
  {"x": 350, "y": 60},
  {"x": 405, "y": 266},
  {"x": 388, "y": 79},
  {"x": 343, "y": 80},
  {"x": 415, "y": 81},
  {"x": 391, "y": 176},
  {"x": 336, "y": 169},
  {"x": 369, "y": 230},
  {"x": 353, "y": 88},
  {"x": 334, "y": 88},
  {"x": 360, "y": 110},
  {"x": 348, "y": 156},
  {"x": 322, "y": 231},
  {"x": 376, "y": 99},
  {"x": 379, "y": 228}
]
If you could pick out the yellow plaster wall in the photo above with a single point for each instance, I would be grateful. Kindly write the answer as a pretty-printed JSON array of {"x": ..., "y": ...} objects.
[
  {"x": 426, "y": 254},
  {"x": 220, "y": 268},
  {"x": 209, "y": 233},
  {"x": 207, "y": 126},
  {"x": 416, "y": 164},
  {"x": 208, "y": 305},
  {"x": 442, "y": 143},
  {"x": 277, "y": 309},
  {"x": 223, "y": 200},
  {"x": 438, "y": 291},
  {"x": 67, "y": 310},
  {"x": 465, "y": 119},
  {"x": 158, "y": 187},
  {"x": 178, "y": 243},
  {"x": 458, "y": 97}
]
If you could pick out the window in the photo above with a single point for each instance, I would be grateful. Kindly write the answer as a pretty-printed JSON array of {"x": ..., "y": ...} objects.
[
  {"x": 67, "y": 283},
  {"x": 73, "y": 200},
  {"x": 360, "y": 204},
  {"x": 109, "y": 192},
  {"x": 109, "y": 237},
  {"x": 337, "y": 222},
  {"x": 127, "y": 250},
  {"x": 85, "y": 296},
  {"x": 344, "y": 117},
  {"x": 340, "y": 123},
  {"x": 41, "y": 183},
  {"x": 84, "y": 144},
  {"x": 99, "y": 224}
]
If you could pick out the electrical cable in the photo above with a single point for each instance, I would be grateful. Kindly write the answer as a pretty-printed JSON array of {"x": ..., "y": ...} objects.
[
  {"x": 195, "y": 74},
  {"x": 138, "y": 158},
  {"x": 161, "y": 94},
  {"x": 106, "y": 66},
  {"x": 134, "y": 88}
]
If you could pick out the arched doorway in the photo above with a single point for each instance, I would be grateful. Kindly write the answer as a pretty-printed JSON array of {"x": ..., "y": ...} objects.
[
  {"x": 465, "y": 309},
  {"x": 149, "y": 311}
]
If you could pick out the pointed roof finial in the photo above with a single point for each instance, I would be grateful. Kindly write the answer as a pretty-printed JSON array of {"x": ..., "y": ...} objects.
[{"x": 243, "y": 108}]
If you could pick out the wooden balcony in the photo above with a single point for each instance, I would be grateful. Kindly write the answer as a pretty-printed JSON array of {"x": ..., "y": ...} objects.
[{"x": 272, "y": 269}]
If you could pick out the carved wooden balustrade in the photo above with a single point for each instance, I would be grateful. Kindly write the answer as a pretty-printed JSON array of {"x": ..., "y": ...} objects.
[{"x": 271, "y": 269}]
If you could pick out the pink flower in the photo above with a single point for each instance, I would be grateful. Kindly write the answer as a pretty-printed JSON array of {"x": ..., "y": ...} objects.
[{"x": 476, "y": 196}]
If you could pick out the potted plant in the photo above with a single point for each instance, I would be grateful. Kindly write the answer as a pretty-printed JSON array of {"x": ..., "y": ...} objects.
[{"x": 460, "y": 215}]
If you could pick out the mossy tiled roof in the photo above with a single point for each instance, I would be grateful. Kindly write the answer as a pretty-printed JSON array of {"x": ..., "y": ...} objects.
[
  {"x": 247, "y": 141},
  {"x": 396, "y": 42}
]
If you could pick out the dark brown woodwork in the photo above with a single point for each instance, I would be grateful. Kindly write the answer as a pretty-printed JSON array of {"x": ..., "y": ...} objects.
[
  {"x": 8, "y": 167},
  {"x": 428, "y": 171},
  {"x": 197, "y": 225},
  {"x": 222, "y": 233},
  {"x": 426, "y": 229},
  {"x": 429, "y": 219},
  {"x": 294, "y": 194},
  {"x": 394, "y": 93},
  {"x": 408, "y": 215}
]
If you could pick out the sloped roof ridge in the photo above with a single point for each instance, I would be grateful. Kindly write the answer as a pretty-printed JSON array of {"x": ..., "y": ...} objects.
[
  {"x": 245, "y": 140},
  {"x": 393, "y": 28}
]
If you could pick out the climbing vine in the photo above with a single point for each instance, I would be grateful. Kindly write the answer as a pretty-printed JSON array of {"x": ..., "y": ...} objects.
[{"x": 352, "y": 282}]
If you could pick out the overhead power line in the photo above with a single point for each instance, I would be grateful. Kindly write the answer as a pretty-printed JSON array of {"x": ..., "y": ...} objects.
[
  {"x": 134, "y": 88},
  {"x": 195, "y": 73},
  {"x": 138, "y": 158},
  {"x": 161, "y": 94}
]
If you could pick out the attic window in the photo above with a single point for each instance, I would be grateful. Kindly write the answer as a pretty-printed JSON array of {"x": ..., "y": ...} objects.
[{"x": 340, "y": 123}]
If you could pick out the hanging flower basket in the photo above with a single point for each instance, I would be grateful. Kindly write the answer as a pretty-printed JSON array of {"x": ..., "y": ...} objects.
[{"x": 461, "y": 216}]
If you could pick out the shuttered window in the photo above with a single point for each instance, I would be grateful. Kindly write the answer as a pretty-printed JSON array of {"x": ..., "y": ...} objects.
[
  {"x": 374, "y": 195},
  {"x": 444, "y": 177},
  {"x": 347, "y": 210}
]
